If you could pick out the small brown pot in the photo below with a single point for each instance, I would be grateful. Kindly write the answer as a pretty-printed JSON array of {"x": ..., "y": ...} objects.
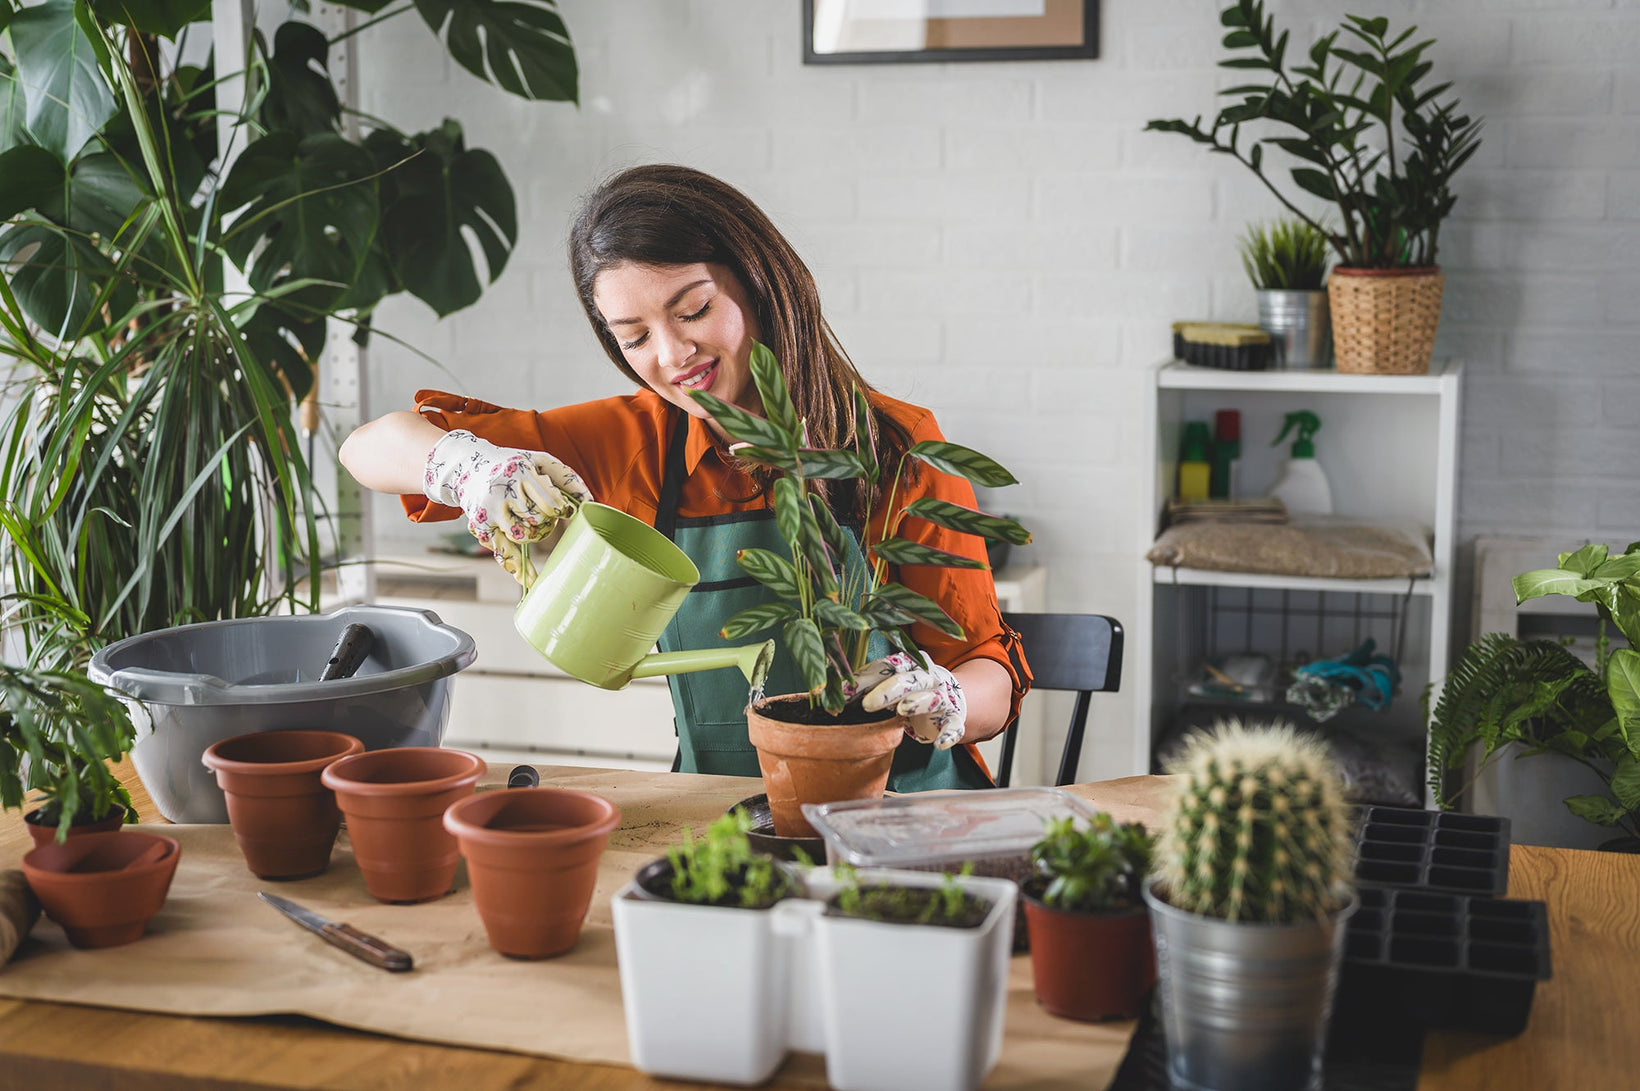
[
  {"x": 818, "y": 763},
  {"x": 1090, "y": 966},
  {"x": 532, "y": 857},
  {"x": 103, "y": 887},
  {"x": 394, "y": 802},
  {"x": 284, "y": 818},
  {"x": 45, "y": 833}
]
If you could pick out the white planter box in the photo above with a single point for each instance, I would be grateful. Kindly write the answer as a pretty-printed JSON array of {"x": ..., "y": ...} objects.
[{"x": 724, "y": 994}]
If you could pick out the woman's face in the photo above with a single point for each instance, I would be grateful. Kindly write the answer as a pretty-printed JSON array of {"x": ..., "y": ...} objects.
[{"x": 682, "y": 328}]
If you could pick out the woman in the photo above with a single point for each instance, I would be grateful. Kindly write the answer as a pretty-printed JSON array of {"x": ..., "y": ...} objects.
[{"x": 680, "y": 274}]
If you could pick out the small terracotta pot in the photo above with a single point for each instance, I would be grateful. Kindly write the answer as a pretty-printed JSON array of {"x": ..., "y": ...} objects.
[
  {"x": 103, "y": 887},
  {"x": 45, "y": 833},
  {"x": 532, "y": 857},
  {"x": 818, "y": 763},
  {"x": 1090, "y": 966},
  {"x": 394, "y": 801},
  {"x": 284, "y": 818}
]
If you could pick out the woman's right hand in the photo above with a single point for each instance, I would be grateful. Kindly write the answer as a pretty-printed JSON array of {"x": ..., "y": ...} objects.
[{"x": 511, "y": 497}]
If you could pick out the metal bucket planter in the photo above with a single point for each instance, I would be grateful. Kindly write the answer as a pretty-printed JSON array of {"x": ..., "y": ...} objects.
[
  {"x": 1300, "y": 326},
  {"x": 1245, "y": 1006}
]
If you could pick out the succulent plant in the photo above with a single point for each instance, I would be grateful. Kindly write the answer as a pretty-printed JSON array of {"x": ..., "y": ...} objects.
[{"x": 1258, "y": 829}]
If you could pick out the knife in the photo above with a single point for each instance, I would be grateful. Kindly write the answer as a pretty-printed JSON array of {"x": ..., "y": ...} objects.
[{"x": 360, "y": 945}]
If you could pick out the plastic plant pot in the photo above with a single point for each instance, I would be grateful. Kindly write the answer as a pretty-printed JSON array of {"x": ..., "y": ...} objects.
[
  {"x": 283, "y": 816},
  {"x": 103, "y": 887},
  {"x": 394, "y": 802},
  {"x": 1090, "y": 966},
  {"x": 45, "y": 833},
  {"x": 532, "y": 858}
]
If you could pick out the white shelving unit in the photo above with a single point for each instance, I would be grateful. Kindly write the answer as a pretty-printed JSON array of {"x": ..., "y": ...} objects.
[{"x": 1389, "y": 446}]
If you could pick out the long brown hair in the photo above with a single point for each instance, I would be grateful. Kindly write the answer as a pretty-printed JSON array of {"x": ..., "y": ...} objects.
[{"x": 671, "y": 215}]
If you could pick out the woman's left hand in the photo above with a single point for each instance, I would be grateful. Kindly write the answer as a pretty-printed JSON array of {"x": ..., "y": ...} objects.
[{"x": 927, "y": 695}]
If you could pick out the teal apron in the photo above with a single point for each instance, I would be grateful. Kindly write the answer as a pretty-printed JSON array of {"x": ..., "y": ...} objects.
[{"x": 710, "y": 706}]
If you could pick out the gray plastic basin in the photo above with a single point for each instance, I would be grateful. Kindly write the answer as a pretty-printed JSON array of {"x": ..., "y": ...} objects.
[{"x": 200, "y": 684}]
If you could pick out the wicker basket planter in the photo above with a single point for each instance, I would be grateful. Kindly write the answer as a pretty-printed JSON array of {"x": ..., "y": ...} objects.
[{"x": 1383, "y": 320}]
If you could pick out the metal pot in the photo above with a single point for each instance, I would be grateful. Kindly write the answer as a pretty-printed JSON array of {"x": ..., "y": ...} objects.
[
  {"x": 1245, "y": 1006},
  {"x": 1300, "y": 327}
]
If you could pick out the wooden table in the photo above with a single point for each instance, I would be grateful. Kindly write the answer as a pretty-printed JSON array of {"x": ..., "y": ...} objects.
[{"x": 1580, "y": 1035}]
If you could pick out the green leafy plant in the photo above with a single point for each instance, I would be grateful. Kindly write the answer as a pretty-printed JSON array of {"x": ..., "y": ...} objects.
[
  {"x": 1287, "y": 255},
  {"x": 830, "y": 610},
  {"x": 1538, "y": 694},
  {"x": 1095, "y": 868},
  {"x": 947, "y": 905},
  {"x": 58, "y": 731},
  {"x": 720, "y": 868},
  {"x": 1258, "y": 829},
  {"x": 1369, "y": 138}
]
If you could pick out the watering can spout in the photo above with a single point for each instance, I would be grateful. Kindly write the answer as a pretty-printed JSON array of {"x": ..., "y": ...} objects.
[{"x": 753, "y": 660}]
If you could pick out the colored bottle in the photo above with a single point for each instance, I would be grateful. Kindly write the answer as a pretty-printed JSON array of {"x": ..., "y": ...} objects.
[
  {"x": 1195, "y": 472},
  {"x": 1226, "y": 454},
  {"x": 1302, "y": 486}
]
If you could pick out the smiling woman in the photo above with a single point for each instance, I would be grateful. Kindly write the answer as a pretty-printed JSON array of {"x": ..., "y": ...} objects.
[{"x": 682, "y": 278}]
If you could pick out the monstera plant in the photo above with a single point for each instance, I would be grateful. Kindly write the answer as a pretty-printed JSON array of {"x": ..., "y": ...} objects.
[{"x": 150, "y": 471}]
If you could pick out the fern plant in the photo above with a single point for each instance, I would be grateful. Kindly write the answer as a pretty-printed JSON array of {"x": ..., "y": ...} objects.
[{"x": 1539, "y": 694}]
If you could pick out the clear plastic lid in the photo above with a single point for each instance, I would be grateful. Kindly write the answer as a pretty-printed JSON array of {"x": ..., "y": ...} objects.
[{"x": 940, "y": 827}]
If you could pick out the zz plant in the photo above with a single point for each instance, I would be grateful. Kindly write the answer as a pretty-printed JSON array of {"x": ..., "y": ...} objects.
[
  {"x": 830, "y": 610},
  {"x": 1370, "y": 138},
  {"x": 1258, "y": 830},
  {"x": 1538, "y": 694}
]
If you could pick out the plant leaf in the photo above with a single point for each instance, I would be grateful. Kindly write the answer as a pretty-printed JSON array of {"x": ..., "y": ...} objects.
[
  {"x": 771, "y": 570},
  {"x": 920, "y": 607},
  {"x": 835, "y": 615},
  {"x": 901, "y": 551},
  {"x": 803, "y": 641},
  {"x": 29, "y": 177},
  {"x": 956, "y": 517},
  {"x": 755, "y": 619},
  {"x": 1597, "y": 809},
  {"x": 66, "y": 98},
  {"x": 743, "y": 427},
  {"x": 777, "y": 400},
  {"x": 521, "y": 46},
  {"x": 965, "y": 462},
  {"x": 833, "y": 464}
]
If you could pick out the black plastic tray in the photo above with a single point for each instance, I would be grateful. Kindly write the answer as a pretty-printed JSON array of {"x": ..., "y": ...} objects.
[
  {"x": 1433, "y": 850},
  {"x": 1443, "y": 960}
]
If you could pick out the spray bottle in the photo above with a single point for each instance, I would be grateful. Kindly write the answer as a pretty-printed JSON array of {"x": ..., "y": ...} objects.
[{"x": 1302, "y": 485}]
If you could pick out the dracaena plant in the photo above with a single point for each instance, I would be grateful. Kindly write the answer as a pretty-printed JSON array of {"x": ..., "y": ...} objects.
[
  {"x": 829, "y": 610},
  {"x": 1540, "y": 695},
  {"x": 1369, "y": 138}
]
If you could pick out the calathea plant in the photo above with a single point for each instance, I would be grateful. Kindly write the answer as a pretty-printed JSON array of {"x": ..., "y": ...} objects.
[
  {"x": 1540, "y": 695},
  {"x": 829, "y": 611}
]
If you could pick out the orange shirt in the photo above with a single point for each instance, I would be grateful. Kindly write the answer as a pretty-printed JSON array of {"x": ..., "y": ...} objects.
[{"x": 618, "y": 445}]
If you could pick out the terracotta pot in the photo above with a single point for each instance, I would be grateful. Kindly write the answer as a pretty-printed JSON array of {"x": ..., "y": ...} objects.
[
  {"x": 818, "y": 763},
  {"x": 394, "y": 802},
  {"x": 103, "y": 887},
  {"x": 284, "y": 818},
  {"x": 45, "y": 833},
  {"x": 1091, "y": 966},
  {"x": 532, "y": 858}
]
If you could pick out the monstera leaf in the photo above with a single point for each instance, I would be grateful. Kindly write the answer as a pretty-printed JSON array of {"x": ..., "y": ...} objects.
[
  {"x": 161, "y": 18},
  {"x": 521, "y": 46},
  {"x": 429, "y": 201},
  {"x": 66, "y": 98},
  {"x": 56, "y": 276},
  {"x": 300, "y": 98},
  {"x": 312, "y": 209}
]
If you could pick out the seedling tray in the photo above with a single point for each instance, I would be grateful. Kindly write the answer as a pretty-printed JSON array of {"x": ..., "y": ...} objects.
[
  {"x": 1443, "y": 960},
  {"x": 1406, "y": 848}
]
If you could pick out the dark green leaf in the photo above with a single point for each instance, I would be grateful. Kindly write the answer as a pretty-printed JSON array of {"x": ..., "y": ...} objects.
[
  {"x": 1241, "y": 39},
  {"x": 1244, "y": 62},
  {"x": 956, "y": 517},
  {"x": 956, "y": 459},
  {"x": 66, "y": 98},
  {"x": 837, "y": 616},
  {"x": 29, "y": 177},
  {"x": 767, "y": 457},
  {"x": 742, "y": 427},
  {"x": 1626, "y": 783},
  {"x": 900, "y": 551},
  {"x": 836, "y": 465},
  {"x": 830, "y": 533},
  {"x": 904, "y": 601},
  {"x": 777, "y": 400},
  {"x": 789, "y": 509},
  {"x": 863, "y": 432},
  {"x": 771, "y": 570},
  {"x": 1314, "y": 181},
  {"x": 161, "y": 18},
  {"x": 803, "y": 641},
  {"x": 1597, "y": 809},
  {"x": 300, "y": 96},
  {"x": 13, "y": 107},
  {"x": 755, "y": 619},
  {"x": 521, "y": 46}
]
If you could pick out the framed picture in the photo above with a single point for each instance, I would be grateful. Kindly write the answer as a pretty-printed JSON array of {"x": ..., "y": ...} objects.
[{"x": 897, "y": 31}]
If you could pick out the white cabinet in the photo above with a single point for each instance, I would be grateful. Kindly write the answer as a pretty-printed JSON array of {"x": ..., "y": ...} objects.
[
  {"x": 513, "y": 705},
  {"x": 1389, "y": 446}
]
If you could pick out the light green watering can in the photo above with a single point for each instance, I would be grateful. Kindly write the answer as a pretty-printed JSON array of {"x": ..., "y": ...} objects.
[{"x": 605, "y": 594}]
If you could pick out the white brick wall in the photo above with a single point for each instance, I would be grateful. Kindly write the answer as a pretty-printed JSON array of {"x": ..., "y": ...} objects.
[{"x": 1002, "y": 242}]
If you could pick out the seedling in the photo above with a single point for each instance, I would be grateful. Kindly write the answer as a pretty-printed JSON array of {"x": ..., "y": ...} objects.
[
  {"x": 721, "y": 868},
  {"x": 1096, "y": 869},
  {"x": 947, "y": 905}
]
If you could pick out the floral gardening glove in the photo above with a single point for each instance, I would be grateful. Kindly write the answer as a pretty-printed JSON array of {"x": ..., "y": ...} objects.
[
  {"x": 511, "y": 497},
  {"x": 925, "y": 693}
]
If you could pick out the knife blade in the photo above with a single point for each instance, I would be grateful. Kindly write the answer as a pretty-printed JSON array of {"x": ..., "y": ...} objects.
[{"x": 361, "y": 945}]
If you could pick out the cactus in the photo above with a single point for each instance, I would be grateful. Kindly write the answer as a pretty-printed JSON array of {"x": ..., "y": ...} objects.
[{"x": 1258, "y": 830}]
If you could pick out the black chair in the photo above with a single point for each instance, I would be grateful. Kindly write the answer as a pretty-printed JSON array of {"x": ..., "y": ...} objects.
[{"x": 1080, "y": 652}]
